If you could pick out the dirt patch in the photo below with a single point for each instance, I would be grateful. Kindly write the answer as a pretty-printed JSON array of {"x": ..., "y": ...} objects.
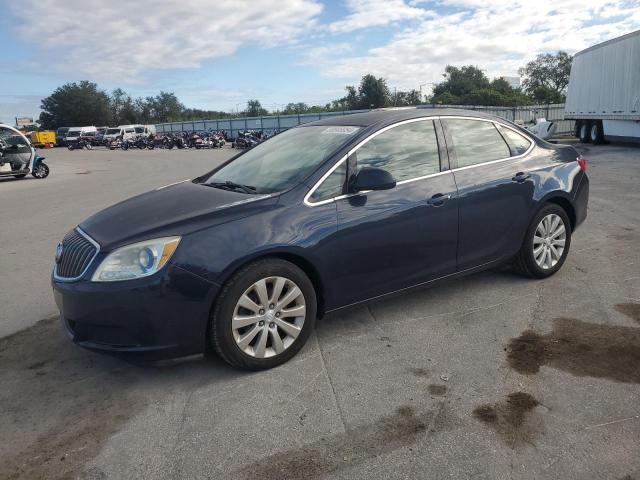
[
  {"x": 58, "y": 403},
  {"x": 420, "y": 372},
  {"x": 631, "y": 310},
  {"x": 350, "y": 448},
  {"x": 438, "y": 390},
  {"x": 511, "y": 418},
  {"x": 580, "y": 348}
]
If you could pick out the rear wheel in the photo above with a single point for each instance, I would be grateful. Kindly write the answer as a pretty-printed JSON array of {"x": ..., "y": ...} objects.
[
  {"x": 546, "y": 243},
  {"x": 585, "y": 128},
  {"x": 264, "y": 315},
  {"x": 595, "y": 132}
]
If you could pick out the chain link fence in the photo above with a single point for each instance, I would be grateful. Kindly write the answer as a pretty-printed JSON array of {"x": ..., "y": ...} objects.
[{"x": 276, "y": 123}]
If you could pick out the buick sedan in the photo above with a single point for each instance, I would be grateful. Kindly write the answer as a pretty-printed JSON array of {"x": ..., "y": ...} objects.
[{"x": 243, "y": 259}]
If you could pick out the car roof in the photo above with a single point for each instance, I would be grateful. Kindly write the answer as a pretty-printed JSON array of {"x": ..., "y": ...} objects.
[{"x": 392, "y": 115}]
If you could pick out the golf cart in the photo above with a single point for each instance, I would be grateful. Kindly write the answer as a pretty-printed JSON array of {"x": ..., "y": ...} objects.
[{"x": 18, "y": 158}]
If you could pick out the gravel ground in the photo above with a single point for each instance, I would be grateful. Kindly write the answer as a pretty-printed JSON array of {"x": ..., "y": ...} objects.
[{"x": 491, "y": 376}]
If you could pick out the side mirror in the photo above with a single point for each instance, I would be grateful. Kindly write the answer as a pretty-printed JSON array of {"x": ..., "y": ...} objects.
[{"x": 370, "y": 178}]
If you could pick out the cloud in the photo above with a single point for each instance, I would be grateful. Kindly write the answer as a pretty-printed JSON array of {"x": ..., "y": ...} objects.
[
  {"x": 124, "y": 40},
  {"x": 374, "y": 13},
  {"x": 495, "y": 35}
]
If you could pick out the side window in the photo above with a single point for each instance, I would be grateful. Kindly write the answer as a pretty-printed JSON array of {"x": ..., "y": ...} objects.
[
  {"x": 476, "y": 141},
  {"x": 518, "y": 144},
  {"x": 407, "y": 151},
  {"x": 332, "y": 186}
]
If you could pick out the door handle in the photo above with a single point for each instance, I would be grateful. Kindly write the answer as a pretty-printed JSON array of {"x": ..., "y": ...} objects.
[
  {"x": 438, "y": 199},
  {"x": 521, "y": 177}
]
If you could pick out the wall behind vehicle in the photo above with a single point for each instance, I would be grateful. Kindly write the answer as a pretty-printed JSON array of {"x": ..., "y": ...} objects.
[{"x": 277, "y": 123}]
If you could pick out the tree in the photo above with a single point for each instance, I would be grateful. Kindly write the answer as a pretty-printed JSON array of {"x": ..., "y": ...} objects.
[
  {"x": 546, "y": 78},
  {"x": 372, "y": 92},
  {"x": 75, "y": 104},
  {"x": 406, "y": 99},
  {"x": 254, "y": 109},
  {"x": 167, "y": 107},
  {"x": 468, "y": 85},
  {"x": 459, "y": 82}
]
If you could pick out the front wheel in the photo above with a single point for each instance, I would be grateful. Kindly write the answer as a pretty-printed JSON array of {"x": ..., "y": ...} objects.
[
  {"x": 41, "y": 171},
  {"x": 264, "y": 315},
  {"x": 546, "y": 243}
]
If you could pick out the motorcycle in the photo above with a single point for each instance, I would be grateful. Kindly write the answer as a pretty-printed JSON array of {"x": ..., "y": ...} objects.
[
  {"x": 81, "y": 143},
  {"x": 140, "y": 143},
  {"x": 245, "y": 140},
  {"x": 18, "y": 158},
  {"x": 114, "y": 143}
]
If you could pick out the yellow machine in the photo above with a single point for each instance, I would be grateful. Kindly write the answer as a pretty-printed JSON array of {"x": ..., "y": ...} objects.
[{"x": 46, "y": 139}]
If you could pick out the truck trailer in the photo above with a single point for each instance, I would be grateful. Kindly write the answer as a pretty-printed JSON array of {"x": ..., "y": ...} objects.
[{"x": 603, "y": 95}]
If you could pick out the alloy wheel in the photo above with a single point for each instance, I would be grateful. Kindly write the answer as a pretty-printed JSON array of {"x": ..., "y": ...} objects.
[
  {"x": 549, "y": 241},
  {"x": 268, "y": 317}
]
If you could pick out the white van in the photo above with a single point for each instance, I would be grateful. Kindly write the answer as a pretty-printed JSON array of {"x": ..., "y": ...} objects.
[
  {"x": 112, "y": 133},
  {"x": 145, "y": 130},
  {"x": 75, "y": 132}
]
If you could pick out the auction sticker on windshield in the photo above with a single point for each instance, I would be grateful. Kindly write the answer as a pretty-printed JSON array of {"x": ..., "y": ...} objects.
[{"x": 341, "y": 130}]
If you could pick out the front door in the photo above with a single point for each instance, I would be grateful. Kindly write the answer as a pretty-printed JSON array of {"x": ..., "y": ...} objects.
[{"x": 392, "y": 239}]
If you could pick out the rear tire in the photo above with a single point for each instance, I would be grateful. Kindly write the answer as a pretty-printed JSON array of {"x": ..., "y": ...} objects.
[
  {"x": 225, "y": 334},
  {"x": 531, "y": 260},
  {"x": 596, "y": 135},
  {"x": 585, "y": 128}
]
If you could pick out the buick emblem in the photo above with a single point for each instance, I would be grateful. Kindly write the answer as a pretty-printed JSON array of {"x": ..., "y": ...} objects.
[{"x": 58, "y": 253}]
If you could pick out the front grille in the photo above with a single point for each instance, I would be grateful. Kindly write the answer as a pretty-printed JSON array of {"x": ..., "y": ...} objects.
[{"x": 77, "y": 253}]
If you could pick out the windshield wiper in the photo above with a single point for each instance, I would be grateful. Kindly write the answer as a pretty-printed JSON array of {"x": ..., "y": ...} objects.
[{"x": 229, "y": 185}]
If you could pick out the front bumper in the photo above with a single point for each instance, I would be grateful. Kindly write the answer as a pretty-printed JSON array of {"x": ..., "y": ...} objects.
[{"x": 165, "y": 315}]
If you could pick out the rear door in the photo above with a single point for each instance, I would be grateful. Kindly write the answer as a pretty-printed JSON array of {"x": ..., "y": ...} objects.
[
  {"x": 495, "y": 190},
  {"x": 392, "y": 239}
]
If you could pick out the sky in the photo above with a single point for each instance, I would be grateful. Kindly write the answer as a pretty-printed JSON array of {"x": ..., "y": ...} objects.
[{"x": 218, "y": 54}]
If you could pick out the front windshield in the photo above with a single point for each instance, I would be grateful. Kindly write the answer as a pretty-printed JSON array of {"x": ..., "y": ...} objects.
[
  {"x": 113, "y": 131},
  {"x": 73, "y": 134},
  {"x": 283, "y": 160}
]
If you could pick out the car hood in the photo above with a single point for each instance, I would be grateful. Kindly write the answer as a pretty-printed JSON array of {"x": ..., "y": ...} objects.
[{"x": 176, "y": 209}]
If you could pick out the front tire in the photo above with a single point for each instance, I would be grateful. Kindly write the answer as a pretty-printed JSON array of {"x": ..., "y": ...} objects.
[
  {"x": 264, "y": 315},
  {"x": 546, "y": 243},
  {"x": 41, "y": 171}
]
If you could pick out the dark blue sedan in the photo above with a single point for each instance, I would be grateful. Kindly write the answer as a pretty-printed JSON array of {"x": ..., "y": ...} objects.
[{"x": 329, "y": 214}]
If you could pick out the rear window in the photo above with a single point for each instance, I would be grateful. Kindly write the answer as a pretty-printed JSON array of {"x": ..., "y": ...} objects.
[
  {"x": 518, "y": 144},
  {"x": 476, "y": 141}
]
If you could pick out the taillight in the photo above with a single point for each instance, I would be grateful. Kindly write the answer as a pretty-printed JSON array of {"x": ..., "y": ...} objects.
[{"x": 582, "y": 162}]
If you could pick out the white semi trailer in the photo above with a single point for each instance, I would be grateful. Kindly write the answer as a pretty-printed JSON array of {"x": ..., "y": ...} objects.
[{"x": 603, "y": 95}]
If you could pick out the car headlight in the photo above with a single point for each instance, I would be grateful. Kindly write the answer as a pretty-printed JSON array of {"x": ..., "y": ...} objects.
[{"x": 136, "y": 260}]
